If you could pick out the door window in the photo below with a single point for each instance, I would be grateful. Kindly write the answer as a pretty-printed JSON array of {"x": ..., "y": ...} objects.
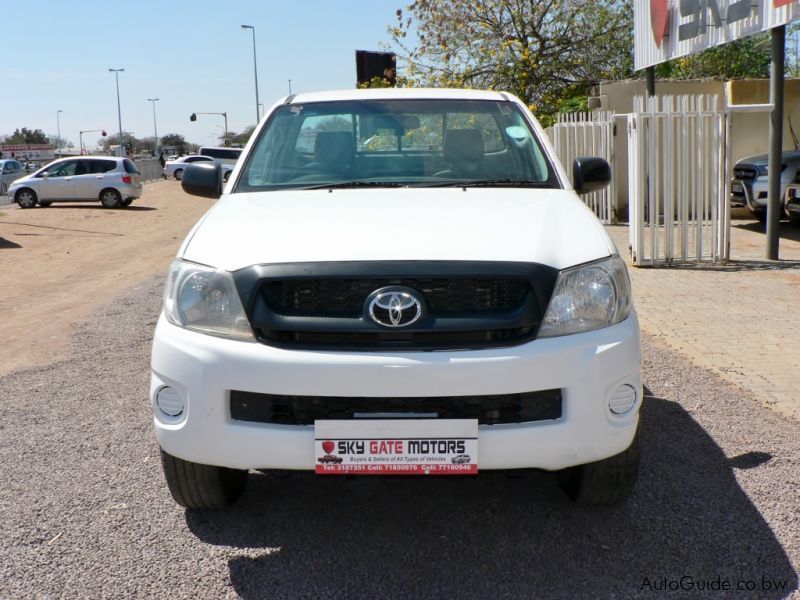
[{"x": 64, "y": 169}]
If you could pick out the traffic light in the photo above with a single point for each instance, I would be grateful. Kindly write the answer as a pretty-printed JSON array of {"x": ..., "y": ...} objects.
[{"x": 193, "y": 117}]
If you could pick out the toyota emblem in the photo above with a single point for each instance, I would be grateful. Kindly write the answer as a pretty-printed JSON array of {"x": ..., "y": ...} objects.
[{"x": 394, "y": 306}]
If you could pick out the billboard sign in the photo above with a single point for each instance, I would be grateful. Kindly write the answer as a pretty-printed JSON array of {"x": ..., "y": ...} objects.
[
  {"x": 28, "y": 151},
  {"x": 667, "y": 29}
]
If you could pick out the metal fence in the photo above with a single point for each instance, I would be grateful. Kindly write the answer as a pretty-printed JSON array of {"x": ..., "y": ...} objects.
[
  {"x": 677, "y": 184},
  {"x": 150, "y": 169},
  {"x": 588, "y": 134}
]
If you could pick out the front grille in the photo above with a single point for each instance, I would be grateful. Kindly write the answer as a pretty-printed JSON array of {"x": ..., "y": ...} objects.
[
  {"x": 304, "y": 410},
  {"x": 340, "y": 297},
  {"x": 462, "y": 304},
  {"x": 745, "y": 172}
]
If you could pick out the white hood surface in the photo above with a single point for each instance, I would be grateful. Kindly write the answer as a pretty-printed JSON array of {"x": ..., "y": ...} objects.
[{"x": 546, "y": 226}]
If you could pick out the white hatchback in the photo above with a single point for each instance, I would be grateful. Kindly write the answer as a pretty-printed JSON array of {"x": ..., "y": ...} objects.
[
  {"x": 397, "y": 281},
  {"x": 112, "y": 181}
]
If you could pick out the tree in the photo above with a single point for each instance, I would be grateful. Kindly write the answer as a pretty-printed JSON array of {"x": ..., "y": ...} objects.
[
  {"x": 174, "y": 140},
  {"x": 237, "y": 139},
  {"x": 57, "y": 142},
  {"x": 543, "y": 52},
  {"x": 744, "y": 58},
  {"x": 147, "y": 145},
  {"x": 127, "y": 138},
  {"x": 26, "y": 136}
]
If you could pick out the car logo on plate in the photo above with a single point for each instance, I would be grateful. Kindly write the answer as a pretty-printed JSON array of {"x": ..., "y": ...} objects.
[{"x": 394, "y": 306}]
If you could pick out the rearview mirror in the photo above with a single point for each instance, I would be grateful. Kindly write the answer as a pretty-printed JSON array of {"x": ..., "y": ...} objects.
[{"x": 203, "y": 179}]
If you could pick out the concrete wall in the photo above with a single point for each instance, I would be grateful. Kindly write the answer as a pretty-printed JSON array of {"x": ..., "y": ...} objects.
[{"x": 749, "y": 131}]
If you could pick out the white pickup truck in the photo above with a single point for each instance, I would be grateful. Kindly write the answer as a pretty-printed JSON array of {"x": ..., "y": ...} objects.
[{"x": 397, "y": 281}]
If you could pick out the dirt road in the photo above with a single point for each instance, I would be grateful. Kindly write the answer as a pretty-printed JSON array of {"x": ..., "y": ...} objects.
[{"x": 77, "y": 256}]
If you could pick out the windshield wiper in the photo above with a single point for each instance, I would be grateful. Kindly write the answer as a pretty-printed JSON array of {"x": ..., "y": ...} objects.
[
  {"x": 489, "y": 183},
  {"x": 350, "y": 184}
]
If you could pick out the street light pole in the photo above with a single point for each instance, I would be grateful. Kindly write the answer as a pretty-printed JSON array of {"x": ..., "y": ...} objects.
[
  {"x": 255, "y": 69},
  {"x": 155, "y": 129},
  {"x": 58, "y": 126},
  {"x": 119, "y": 111}
]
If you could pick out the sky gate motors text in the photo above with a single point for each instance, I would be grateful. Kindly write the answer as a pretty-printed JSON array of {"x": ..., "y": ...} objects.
[{"x": 400, "y": 446}]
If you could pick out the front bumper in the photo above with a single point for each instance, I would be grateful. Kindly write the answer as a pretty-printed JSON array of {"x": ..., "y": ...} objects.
[
  {"x": 587, "y": 367},
  {"x": 752, "y": 194}
]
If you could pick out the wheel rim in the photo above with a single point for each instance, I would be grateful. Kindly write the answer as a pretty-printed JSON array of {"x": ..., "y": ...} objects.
[
  {"x": 110, "y": 199},
  {"x": 25, "y": 199},
  {"x": 179, "y": 174}
]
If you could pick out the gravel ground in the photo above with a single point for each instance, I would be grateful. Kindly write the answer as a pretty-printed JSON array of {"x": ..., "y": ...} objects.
[{"x": 84, "y": 511}]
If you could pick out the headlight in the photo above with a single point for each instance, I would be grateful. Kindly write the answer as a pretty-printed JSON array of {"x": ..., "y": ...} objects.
[
  {"x": 205, "y": 300},
  {"x": 588, "y": 297}
]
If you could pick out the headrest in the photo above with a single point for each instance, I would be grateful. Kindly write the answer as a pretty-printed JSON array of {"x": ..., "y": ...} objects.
[
  {"x": 334, "y": 148},
  {"x": 463, "y": 145}
]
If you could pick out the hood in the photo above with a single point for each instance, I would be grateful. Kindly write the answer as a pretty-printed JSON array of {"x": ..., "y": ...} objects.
[
  {"x": 551, "y": 227},
  {"x": 763, "y": 159}
]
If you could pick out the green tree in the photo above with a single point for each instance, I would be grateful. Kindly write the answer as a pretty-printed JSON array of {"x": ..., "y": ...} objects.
[
  {"x": 113, "y": 140},
  {"x": 27, "y": 136},
  {"x": 541, "y": 51},
  {"x": 745, "y": 58},
  {"x": 175, "y": 140},
  {"x": 237, "y": 139}
]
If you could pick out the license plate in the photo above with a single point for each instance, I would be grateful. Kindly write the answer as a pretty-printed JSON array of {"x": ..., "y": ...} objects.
[
  {"x": 396, "y": 447},
  {"x": 737, "y": 187}
]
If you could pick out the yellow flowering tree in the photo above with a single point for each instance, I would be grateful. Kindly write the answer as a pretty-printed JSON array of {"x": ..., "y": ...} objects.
[{"x": 544, "y": 51}]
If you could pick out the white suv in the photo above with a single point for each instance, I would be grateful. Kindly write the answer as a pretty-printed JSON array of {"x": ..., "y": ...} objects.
[
  {"x": 112, "y": 181},
  {"x": 397, "y": 281}
]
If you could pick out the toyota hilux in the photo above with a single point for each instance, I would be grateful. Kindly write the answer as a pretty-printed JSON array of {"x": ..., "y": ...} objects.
[{"x": 397, "y": 281}]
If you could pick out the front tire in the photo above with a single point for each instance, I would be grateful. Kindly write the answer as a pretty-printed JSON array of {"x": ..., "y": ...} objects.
[
  {"x": 110, "y": 198},
  {"x": 202, "y": 487},
  {"x": 605, "y": 482},
  {"x": 178, "y": 174},
  {"x": 26, "y": 198}
]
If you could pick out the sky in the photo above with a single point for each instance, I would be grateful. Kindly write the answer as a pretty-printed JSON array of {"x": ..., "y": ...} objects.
[{"x": 192, "y": 55}]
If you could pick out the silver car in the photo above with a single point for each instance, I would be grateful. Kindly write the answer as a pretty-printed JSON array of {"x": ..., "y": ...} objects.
[
  {"x": 175, "y": 168},
  {"x": 110, "y": 180}
]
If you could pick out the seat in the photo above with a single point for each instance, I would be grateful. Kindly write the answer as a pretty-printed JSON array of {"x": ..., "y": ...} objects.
[
  {"x": 333, "y": 152},
  {"x": 463, "y": 151}
]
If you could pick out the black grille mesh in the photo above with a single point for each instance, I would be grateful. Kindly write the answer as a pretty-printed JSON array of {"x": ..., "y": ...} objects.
[
  {"x": 304, "y": 410},
  {"x": 324, "y": 297}
]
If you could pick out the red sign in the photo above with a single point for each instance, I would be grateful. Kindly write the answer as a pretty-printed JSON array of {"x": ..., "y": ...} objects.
[{"x": 659, "y": 19}]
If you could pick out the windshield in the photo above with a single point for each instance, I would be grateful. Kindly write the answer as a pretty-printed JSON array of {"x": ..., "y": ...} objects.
[{"x": 396, "y": 142}]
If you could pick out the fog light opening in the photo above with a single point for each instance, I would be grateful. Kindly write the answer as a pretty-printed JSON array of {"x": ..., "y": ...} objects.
[
  {"x": 169, "y": 402},
  {"x": 622, "y": 400}
]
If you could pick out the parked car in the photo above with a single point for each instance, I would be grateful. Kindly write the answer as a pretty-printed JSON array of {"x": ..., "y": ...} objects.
[
  {"x": 791, "y": 205},
  {"x": 9, "y": 167},
  {"x": 175, "y": 168},
  {"x": 112, "y": 181},
  {"x": 750, "y": 183},
  {"x": 227, "y": 156},
  {"x": 451, "y": 284}
]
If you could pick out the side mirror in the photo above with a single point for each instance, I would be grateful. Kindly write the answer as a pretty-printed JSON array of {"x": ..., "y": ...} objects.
[
  {"x": 590, "y": 174},
  {"x": 203, "y": 179}
]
